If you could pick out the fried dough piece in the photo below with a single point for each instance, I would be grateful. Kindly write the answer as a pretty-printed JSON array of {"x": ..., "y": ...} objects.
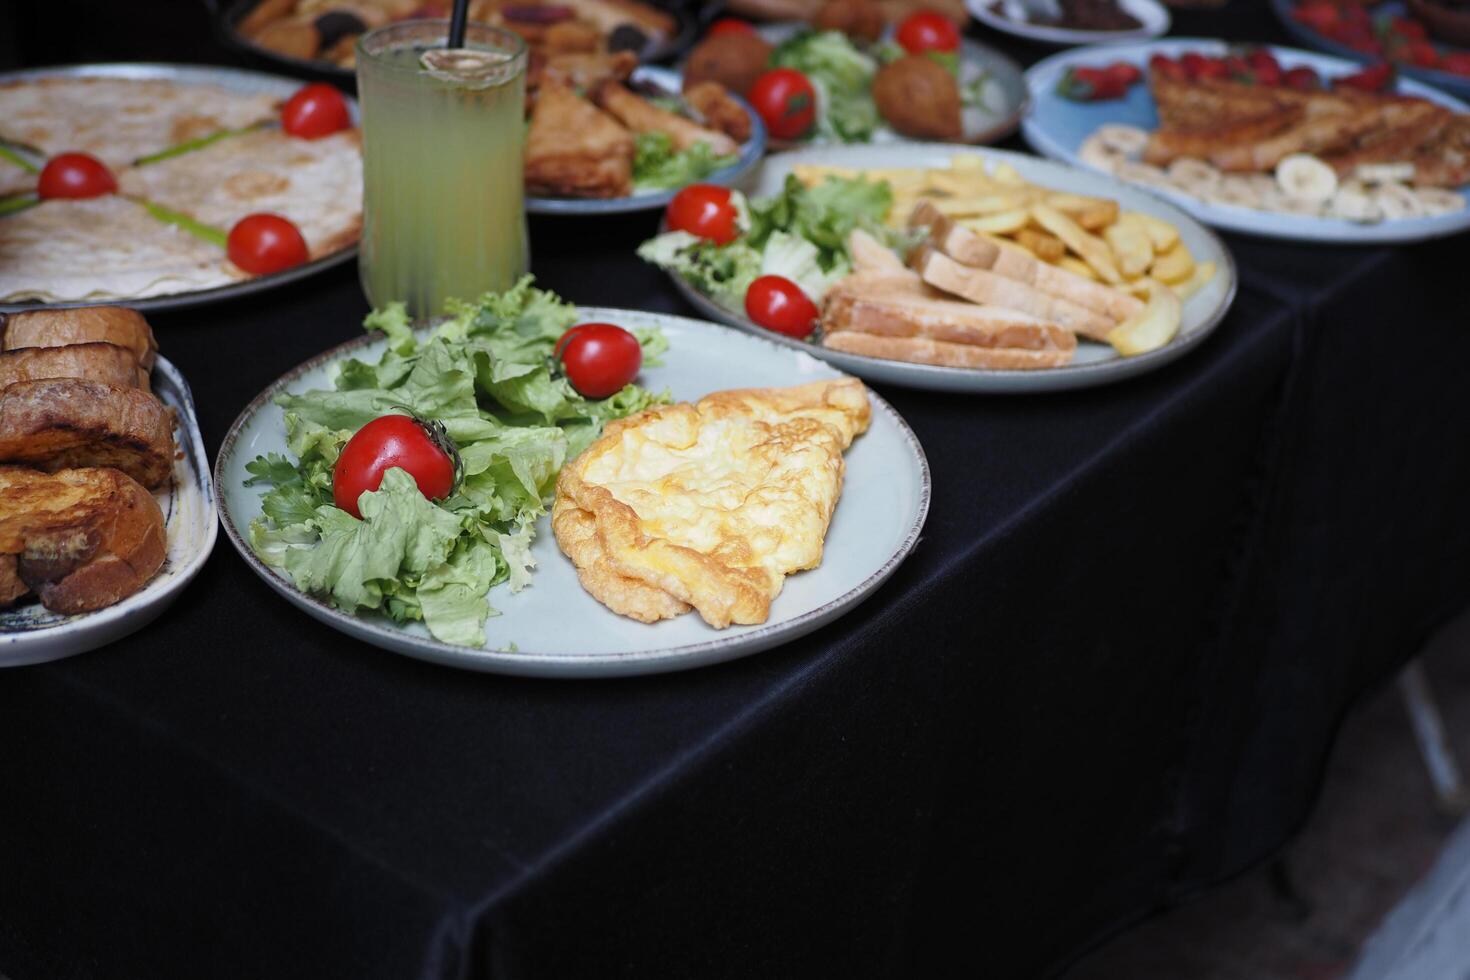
[
  {"x": 83, "y": 325},
  {"x": 67, "y": 422},
  {"x": 107, "y": 363},
  {"x": 712, "y": 100},
  {"x": 574, "y": 149},
  {"x": 587, "y": 71},
  {"x": 919, "y": 98},
  {"x": 83, "y": 539},
  {"x": 712, "y": 504},
  {"x": 735, "y": 60},
  {"x": 642, "y": 116},
  {"x": 860, "y": 19}
]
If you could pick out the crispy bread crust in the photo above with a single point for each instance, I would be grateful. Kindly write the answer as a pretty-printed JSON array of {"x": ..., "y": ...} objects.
[
  {"x": 67, "y": 422},
  {"x": 107, "y": 363},
  {"x": 11, "y": 587},
  {"x": 991, "y": 288},
  {"x": 82, "y": 539},
  {"x": 88, "y": 324},
  {"x": 924, "y": 350}
]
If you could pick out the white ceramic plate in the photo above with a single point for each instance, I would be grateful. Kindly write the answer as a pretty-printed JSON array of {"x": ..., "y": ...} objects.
[
  {"x": 1093, "y": 364},
  {"x": 1152, "y": 16},
  {"x": 554, "y": 628},
  {"x": 235, "y": 80},
  {"x": 30, "y": 634},
  {"x": 1057, "y": 127},
  {"x": 977, "y": 59},
  {"x": 751, "y": 152}
]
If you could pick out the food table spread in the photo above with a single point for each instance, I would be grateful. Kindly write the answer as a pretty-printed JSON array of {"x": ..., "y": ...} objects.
[{"x": 1106, "y": 677}]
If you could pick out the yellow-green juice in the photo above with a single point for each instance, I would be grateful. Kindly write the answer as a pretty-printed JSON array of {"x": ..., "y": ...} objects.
[{"x": 443, "y": 200}]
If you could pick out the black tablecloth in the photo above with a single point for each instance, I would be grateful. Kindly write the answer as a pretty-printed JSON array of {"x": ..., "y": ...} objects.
[{"x": 1106, "y": 677}]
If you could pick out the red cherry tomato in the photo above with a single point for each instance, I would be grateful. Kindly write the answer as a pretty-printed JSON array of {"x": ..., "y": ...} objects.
[
  {"x": 729, "y": 25},
  {"x": 599, "y": 358},
  {"x": 785, "y": 99},
  {"x": 778, "y": 304},
  {"x": 388, "y": 441},
  {"x": 928, "y": 31},
  {"x": 75, "y": 175},
  {"x": 264, "y": 243},
  {"x": 316, "y": 110},
  {"x": 705, "y": 211}
]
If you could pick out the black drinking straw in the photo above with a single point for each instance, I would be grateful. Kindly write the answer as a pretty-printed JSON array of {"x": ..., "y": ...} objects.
[{"x": 456, "y": 23}]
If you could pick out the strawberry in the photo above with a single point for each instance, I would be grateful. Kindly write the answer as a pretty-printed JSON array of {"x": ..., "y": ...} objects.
[
  {"x": 1420, "y": 53},
  {"x": 1374, "y": 78},
  {"x": 1302, "y": 78},
  {"x": 1320, "y": 15},
  {"x": 1456, "y": 63},
  {"x": 1166, "y": 67},
  {"x": 1124, "y": 73}
]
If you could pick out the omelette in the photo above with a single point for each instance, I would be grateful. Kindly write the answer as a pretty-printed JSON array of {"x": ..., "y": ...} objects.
[{"x": 709, "y": 506}]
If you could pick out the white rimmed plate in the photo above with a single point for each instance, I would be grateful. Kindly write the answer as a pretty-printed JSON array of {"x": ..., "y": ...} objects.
[
  {"x": 554, "y": 628},
  {"x": 750, "y": 155},
  {"x": 31, "y": 634},
  {"x": 1152, "y": 17},
  {"x": 1057, "y": 127},
  {"x": 1093, "y": 364},
  {"x": 231, "y": 79}
]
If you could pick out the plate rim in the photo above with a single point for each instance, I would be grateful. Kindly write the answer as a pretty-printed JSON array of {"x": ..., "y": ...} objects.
[
  {"x": 993, "y": 380},
  {"x": 1068, "y": 36},
  {"x": 584, "y": 665},
  {"x": 153, "y": 598},
  {"x": 1260, "y": 224},
  {"x": 198, "y": 297},
  {"x": 752, "y": 153}
]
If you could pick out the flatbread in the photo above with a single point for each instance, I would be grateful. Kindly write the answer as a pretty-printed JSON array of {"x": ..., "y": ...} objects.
[
  {"x": 99, "y": 249},
  {"x": 14, "y": 179},
  {"x": 118, "y": 120},
  {"x": 317, "y": 184}
]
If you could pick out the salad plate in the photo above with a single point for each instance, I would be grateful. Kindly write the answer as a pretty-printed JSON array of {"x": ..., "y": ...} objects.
[
  {"x": 31, "y": 634},
  {"x": 553, "y": 627},
  {"x": 1094, "y": 363},
  {"x": 1057, "y": 128},
  {"x": 1152, "y": 17},
  {"x": 233, "y": 80},
  {"x": 1455, "y": 84},
  {"x": 1002, "y": 95},
  {"x": 666, "y": 79}
]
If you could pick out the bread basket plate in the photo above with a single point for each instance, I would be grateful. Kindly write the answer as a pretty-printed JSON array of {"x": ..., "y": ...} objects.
[
  {"x": 666, "y": 79},
  {"x": 1094, "y": 363},
  {"x": 554, "y": 628},
  {"x": 980, "y": 126},
  {"x": 1152, "y": 17},
  {"x": 1057, "y": 127},
  {"x": 31, "y": 634},
  {"x": 230, "y": 79}
]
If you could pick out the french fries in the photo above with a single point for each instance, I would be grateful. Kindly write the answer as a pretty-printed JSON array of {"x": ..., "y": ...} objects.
[{"x": 1089, "y": 236}]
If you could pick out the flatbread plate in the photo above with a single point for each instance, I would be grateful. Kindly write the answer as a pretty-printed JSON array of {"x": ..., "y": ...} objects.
[
  {"x": 1093, "y": 364},
  {"x": 31, "y": 634},
  {"x": 1057, "y": 127},
  {"x": 52, "y": 254},
  {"x": 1152, "y": 17},
  {"x": 749, "y": 158},
  {"x": 554, "y": 628}
]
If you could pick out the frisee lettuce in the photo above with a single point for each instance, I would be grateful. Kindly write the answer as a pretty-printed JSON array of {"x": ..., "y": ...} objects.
[{"x": 489, "y": 375}]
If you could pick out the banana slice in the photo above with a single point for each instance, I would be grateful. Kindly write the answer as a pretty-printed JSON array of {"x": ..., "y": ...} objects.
[
  {"x": 1352, "y": 203},
  {"x": 1384, "y": 173},
  {"x": 1126, "y": 140},
  {"x": 1096, "y": 153},
  {"x": 1282, "y": 203},
  {"x": 1142, "y": 173},
  {"x": 1397, "y": 202},
  {"x": 1304, "y": 177},
  {"x": 1437, "y": 200},
  {"x": 1193, "y": 176},
  {"x": 1237, "y": 191}
]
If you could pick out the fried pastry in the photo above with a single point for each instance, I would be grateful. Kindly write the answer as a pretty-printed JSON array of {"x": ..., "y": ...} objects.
[{"x": 574, "y": 149}]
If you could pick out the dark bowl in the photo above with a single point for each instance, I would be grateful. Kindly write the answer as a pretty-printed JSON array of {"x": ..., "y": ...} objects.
[{"x": 1445, "y": 23}]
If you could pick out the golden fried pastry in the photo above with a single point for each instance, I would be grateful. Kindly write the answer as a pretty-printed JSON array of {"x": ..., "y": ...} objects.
[
  {"x": 919, "y": 98},
  {"x": 574, "y": 149},
  {"x": 711, "y": 505},
  {"x": 734, "y": 60}
]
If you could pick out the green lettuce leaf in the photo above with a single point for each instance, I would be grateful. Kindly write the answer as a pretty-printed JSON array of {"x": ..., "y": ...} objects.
[{"x": 658, "y": 166}]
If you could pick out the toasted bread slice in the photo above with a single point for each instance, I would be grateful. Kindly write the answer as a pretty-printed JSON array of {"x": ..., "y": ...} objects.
[
  {"x": 82, "y": 539},
  {"x": 889, "y": 307},
  {"x": 83, "y": 325},
  {"x": 65, "y": 422},
  {"x": 107, "y": 363},
  {"x": 989, "y": 288},
  {"x": 922, "y": 350},
  {"x": 973, "y": 249},
  {"x": 11, "y": 587}
]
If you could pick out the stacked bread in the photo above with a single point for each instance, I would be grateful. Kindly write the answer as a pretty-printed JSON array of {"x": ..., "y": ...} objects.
[
  {"x": 83, "y": 445},
  {"x": 966, "y": 300}
]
